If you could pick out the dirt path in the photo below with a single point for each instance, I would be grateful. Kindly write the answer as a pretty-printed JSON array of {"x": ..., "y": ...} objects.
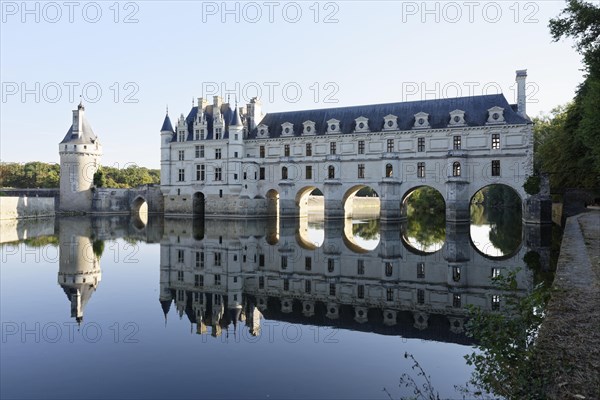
[{"x": 569, "y": 341}]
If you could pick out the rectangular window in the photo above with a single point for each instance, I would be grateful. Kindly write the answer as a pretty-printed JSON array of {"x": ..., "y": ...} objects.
[
  {"x": 180, "y": 256},
  {"x": 261, "y": 151},
  {"x": 261, "y": 260},
  {"x": 218, "y": 132},
  {"x": 218, "y": 257},
  {"x": 495, "y": 302},
  {"x": 218, "y": 174},
  {"x": 181, "y": 136},
  {"x": 495, "y": 272},
  {"x": 307, "y": 286},
  {"x": 181, "y": 175},
  {"x": 390, "y": 145},
  {"x": 308, "y": 263},
  {"x": 309, "y": 172},
  {"x": 420, "y": 296},
  {"x": 235, "y": 154},
  {"x": 181, "y": 154},
  {"x": 456, "y": 143},
  {"x": 360, "y": 292},
  {"x": 217, "y": 280},
  {"x": 200, "y": 172},
  {"x": 361, "y": 171},
  {"x": 201, "y": 134},
  {"x": 196, "y": 134},
  {"x": 421, "y": 270},
  {"x": 330, "y": 265},
  {"x": 456, "y": 303},
  {"x": 421, "y": 170},
  {"x": 286, "y": 150},
  {"x": 196, "y": 280},
  {"x": 284, "y": 262},
  {"x": 332, "y": 289},
  {"x": 200, "y": 259},
  {"x": 389, "y": 294},
  {"x": 495, "y": 167},
  {"x": 360, "y": 267},
  {"x": 421, "y": 144},
  {"x": 456, "y": 274},
  {"x": 180, "y": 276},
  {"x": 261, "y": 282},
  {"x": 218, "y": 154},
  {"x": 286, "y": 285},
  {"x": 495, "y": 141},
  {"x": 309, "y": 149},
  {"x": 262, "y": 173},
  {"x": 389, "y": 269},
  {"x": 332, "y": 147},
  {"x": 361, "y": 147},
  {"x": 236, "y": 136},
  {"x": 196, "y": 151}
]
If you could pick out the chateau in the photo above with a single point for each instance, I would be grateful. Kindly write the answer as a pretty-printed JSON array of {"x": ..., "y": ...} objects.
[
  {"x": 228, "y": 160},
  {"x": 225, "y": 160}
]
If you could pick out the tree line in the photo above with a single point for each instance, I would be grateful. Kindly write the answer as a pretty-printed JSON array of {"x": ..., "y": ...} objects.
[
  {"x": 567, "y": 141},
  {"x": 46, "y": 175}
]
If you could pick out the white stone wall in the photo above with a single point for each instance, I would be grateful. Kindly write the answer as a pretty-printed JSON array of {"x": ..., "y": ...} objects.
[{"x": 26, "y": 207}]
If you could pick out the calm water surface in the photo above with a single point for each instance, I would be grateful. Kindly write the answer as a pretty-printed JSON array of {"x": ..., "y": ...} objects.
[{"x": 122, "y": 307}]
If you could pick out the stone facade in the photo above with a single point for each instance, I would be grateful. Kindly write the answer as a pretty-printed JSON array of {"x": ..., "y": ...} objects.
[{"x": 223, "y": 160}]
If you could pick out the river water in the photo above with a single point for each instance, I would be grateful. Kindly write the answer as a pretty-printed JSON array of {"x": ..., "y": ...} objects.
[{"x": 109, "y": 307}]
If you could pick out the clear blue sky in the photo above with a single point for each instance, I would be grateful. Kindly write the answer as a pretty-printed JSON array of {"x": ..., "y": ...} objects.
[{"x": 355, "y": 52}]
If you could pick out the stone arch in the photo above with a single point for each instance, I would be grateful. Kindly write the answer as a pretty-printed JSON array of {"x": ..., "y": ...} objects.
[
  {"x": 139, "y": 212},
  {"x": 302, "y": 200},
  {"x": 370, "y": 208},
  {"x": 349, "y": 239},
  {"x": 198, "y": 204},
  {"x": 496, "y": 230},
  {"x": 412, "y": 190},
  {"x": 272, "y": 197}
]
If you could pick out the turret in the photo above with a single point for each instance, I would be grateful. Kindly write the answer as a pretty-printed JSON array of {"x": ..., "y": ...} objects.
[
  {"x": 80, "y": 152},
  {"x": 166, "y": 136}
]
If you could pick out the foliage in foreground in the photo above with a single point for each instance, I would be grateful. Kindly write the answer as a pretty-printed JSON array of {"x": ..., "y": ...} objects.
[{"x": 505, "y": 363}]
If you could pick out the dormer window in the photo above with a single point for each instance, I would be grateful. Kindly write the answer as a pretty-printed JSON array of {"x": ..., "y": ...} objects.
[
  {"x": 287, "y": 129},
  {"x": 421, "y": 120},
  {"x": 496, "y": 115},
  {"x": 390, "y": 122},
  {"x": 181, "y": 137},
  {"x": 309, "y": 128},
  {"x": 333, "y": 126},
  {"x": 263, "y": 130},
  {"x": 218, "y": 133},
  {"x": 362, "y": 124},
  {"x": 457, "y": 118}
]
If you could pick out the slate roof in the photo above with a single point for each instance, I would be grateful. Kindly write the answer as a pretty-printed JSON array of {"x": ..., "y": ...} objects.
[
  {"x": 475, "y": 108},
  {"x": 166, "y": 126},
  {"x": 226, "y": 111},
  {"x": 87, "y": 136}
]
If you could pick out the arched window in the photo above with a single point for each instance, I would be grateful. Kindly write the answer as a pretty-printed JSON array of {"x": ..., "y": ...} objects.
[
  {"x": 284, "y": 173},
  {"x": 388, "y": 269},
  {"x": 331, "y": 172},
  {"x": 456, "y": 169},
  {"x": 389, "y": 170}
]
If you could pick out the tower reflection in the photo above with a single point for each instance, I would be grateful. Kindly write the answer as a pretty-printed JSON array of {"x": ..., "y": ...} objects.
[{"x": 79, "y": 267}]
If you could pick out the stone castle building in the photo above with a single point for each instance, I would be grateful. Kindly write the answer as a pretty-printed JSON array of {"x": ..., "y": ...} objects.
[
  {"x": 224, "y": 160},
  {"x": 80, "y": 152}
]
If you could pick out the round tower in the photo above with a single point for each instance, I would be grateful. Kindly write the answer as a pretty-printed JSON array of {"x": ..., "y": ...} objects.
[{"x": 80, "y": 153}]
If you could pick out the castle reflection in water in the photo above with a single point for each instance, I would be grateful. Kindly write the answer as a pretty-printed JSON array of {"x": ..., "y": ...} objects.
[{"x": 225, "y": 276}]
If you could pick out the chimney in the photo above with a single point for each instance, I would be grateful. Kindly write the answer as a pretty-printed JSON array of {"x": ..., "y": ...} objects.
[
  {"x": 78, "y": 120},
  {"x": 521, "y": 96},
  {"x": 202, "y": 103},
  {"x": 217, "y": 102}
]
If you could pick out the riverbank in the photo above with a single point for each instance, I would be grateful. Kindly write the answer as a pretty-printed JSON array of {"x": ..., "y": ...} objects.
[{"x": 569, "y": 340}]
